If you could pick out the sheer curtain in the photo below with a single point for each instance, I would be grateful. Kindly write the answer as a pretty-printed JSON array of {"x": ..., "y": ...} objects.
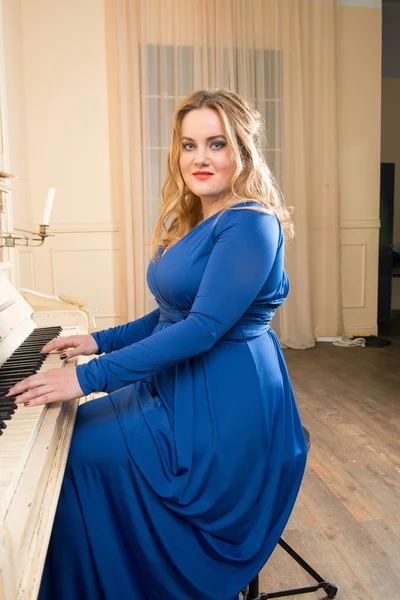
[{"x": 280, "y": 55}]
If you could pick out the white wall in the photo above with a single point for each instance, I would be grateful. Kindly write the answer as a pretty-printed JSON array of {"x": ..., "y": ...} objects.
[
  {"x": 57, "y": 82},
  {"x": 13, "y": 100},
  {"x": 57, "y": 57},
  {"x": 359, "y": 81}
]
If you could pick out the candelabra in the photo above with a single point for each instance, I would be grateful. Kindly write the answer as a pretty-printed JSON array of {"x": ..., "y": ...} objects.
[{"x": 28, "y": 238}]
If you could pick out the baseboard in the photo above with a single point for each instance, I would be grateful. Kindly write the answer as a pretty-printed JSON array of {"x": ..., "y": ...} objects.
[
  {"x": 361, "y": 330},
  {"x": 350, "y": 332}
]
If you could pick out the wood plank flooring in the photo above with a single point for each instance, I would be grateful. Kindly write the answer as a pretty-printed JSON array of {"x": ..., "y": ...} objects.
[{"x": 346, "y": 522}]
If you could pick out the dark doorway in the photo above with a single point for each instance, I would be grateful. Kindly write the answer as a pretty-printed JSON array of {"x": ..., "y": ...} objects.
[{"x": 386, "y": 247}]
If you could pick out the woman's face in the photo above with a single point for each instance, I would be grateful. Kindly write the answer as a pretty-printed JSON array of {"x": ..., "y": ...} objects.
[{"x": 206, "y": 161}]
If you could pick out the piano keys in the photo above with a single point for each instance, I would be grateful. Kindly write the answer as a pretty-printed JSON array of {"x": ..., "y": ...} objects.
[
  {"x": 24, "y": 361},
  {"x": 34, "y": 443}
]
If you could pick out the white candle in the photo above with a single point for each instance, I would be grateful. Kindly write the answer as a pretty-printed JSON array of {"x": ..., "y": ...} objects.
[{"x": 48, "y": 207}]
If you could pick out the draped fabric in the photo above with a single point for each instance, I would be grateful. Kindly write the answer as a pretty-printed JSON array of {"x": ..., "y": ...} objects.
[
  {"x": 180, "y": 481},
  {"x": 280, "y": 55}
]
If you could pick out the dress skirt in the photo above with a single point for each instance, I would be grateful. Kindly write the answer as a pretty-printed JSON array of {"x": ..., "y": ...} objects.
[{"x": 179, "y": 486}]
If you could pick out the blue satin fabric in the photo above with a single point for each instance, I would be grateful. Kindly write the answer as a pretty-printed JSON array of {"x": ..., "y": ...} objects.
[{"x": 180, "y": 481}]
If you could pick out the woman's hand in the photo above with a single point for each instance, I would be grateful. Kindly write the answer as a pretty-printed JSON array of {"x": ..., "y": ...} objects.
[
  {"x": 50, "y": 386},
  {"x": 83, "y": 345}
]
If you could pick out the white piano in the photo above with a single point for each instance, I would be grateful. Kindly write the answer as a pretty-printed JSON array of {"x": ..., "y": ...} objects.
[{"x": 34, "y": 446}]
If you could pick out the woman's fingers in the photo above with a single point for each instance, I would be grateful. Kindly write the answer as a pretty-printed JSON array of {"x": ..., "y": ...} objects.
[
  {"x": 73, "y": 352},
  {"x": 58, "y": 343},
  {"x": 31, "y": 382},
  {"x": 74, "y": 344},
  {"x": 39, "y": 395},
  {"x": 51, "y": 386}
]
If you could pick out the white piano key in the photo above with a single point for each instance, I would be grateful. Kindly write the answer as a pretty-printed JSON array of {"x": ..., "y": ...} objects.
[{"x": 19, "y": 437}]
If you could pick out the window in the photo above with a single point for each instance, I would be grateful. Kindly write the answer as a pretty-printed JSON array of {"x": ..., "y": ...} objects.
[{"x": 170, "y": 70}]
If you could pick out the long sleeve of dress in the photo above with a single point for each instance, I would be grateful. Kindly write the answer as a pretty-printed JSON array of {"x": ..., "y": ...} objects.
[
  {"x": 246, "y": 243},
  {"x": 119, "y": 337}
]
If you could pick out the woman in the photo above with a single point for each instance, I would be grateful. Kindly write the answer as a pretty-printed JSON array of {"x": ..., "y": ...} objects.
[{"x": 180, "y": 481}]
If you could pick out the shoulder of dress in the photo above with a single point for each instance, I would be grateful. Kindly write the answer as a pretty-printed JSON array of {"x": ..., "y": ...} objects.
[
  {"x": 249, "y": 224},
  {"x": 246, "y": 214}
]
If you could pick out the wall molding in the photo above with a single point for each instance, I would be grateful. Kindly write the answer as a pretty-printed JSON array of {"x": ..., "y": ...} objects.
[
  {"x": 58, "y": 276},
  {"x": 106, "y": 316},
  {"x": 85, "y": 227},
  {"x": 362, "y": 3},
  {"x": 363, "y": 265},
  {"x": 361, "y": 330},
  {"x": 5, "y": 266},
  {"x": 20, "y": 225},
  {"x": 360, "y": 223},
  {"x": 115, "y": 226},
  {"x": 25, "y": 253}
]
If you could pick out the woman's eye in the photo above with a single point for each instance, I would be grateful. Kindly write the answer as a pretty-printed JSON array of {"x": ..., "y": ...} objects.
[
  {"x": 218, "y": 145},
  {"x": 188, "y": 146}
]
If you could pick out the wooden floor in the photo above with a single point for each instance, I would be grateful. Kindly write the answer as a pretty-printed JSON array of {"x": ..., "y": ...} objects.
[{"x": 346, "y": 521}]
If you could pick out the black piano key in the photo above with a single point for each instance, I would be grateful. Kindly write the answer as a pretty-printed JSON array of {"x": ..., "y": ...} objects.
[
  {"x": 27, "y": 351},
  {"x": 22, "y": 374},
  {"x": 11, "y": 369},
  {"x": 21, "y": 364},
  {"x": 22, "y": 361},
  {"x": 37, "y": 340},
  {"x": 24, "y": 366},
  {"x": 10, "y": 408},
  {"x": 44, "y": 331},
  {"x": 6, "y": 411},
  {"x": 33, "y": 342},
  {"x": 28, "y": 354},
  {"x": 27, "y": 357},
  {"x": 25, "y": 361},
  {"x": 21, "y": 367},
  {"x": 4, "y": 390},
  {"x": 8, "y": 376},
  {"x": 37, "y": 345},
  {"x": 8, "y": 405},
  {"x": 52, "y": 329},
  {"x": 5, "y": 383}
]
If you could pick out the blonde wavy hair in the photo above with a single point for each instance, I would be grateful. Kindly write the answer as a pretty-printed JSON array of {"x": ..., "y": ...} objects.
[{"x": 181, "y": 210}]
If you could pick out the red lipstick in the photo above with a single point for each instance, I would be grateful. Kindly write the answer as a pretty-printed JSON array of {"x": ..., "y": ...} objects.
[{"x": 202, "y": 175}]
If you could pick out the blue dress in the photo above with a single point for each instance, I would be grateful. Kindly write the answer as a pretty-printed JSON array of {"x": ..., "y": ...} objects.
[{"x": 181, "y": 479}]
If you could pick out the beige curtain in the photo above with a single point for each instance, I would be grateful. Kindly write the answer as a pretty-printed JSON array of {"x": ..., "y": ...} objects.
[{"x": 281, "y": 55}]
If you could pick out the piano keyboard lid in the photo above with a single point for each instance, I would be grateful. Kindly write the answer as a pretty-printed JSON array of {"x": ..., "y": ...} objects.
[{"x": 15, "y": 318}]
